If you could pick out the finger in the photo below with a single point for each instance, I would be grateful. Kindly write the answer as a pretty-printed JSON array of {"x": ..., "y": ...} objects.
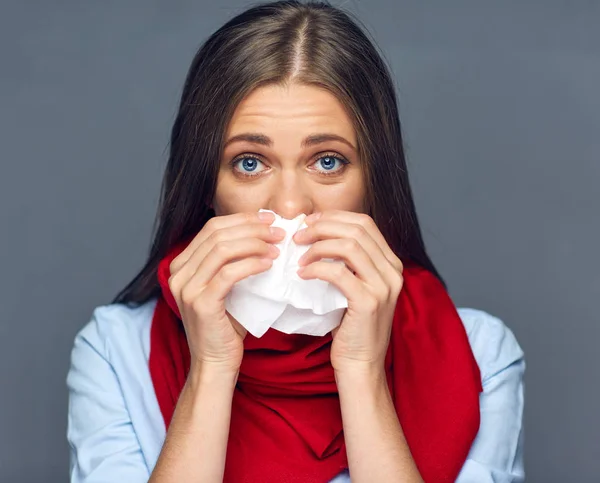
[
  {"x": 229, "y": 252},
  {"x": 327, "y": 229},
  {"x": 354, "y": 256},
  {"x": 368, "y": 224},
  {"x": 222, "y": 283},
  {"x": 340, "y": 276},
  {"x": 225, "y": 239},
  {"x": 218, "y": 223}
]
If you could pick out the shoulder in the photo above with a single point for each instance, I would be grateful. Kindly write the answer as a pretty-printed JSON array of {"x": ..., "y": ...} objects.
[
  {"x": 118, "y": 325},
  {"x": 493, "y": 343},
  {"x": 114, "y": 423}
]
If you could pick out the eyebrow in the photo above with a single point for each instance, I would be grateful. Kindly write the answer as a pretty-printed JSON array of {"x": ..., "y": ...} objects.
[{"x": 312, "y": 140}]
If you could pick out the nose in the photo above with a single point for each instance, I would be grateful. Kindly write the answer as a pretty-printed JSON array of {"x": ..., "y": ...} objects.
[{"x": 290, "y": 197}]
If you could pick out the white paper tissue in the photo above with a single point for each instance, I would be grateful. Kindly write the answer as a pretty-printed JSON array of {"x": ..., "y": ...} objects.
[{"x": 279, "y": 298}]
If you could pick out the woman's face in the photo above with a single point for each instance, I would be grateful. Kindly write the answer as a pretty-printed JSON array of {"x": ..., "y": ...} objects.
[{"x": 279, "y": 155}]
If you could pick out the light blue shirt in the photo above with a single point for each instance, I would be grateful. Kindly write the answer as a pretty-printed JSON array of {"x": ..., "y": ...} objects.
[{"x": 116, "y": 430}]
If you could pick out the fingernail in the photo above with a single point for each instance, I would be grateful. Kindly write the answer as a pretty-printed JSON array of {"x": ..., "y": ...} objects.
[
  {"x": 274, "y": 250},
  {"x": 280, "y": 232},
  {"x": 298, "y": 235},
  {"x": 313, "y": 217},
  {"x": 266, "y": 216}
]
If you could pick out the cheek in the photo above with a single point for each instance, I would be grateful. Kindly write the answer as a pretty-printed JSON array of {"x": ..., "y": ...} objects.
[
  {"x": 224, "y": 199},
  {"x": 347, "y": 196},
  {"x": 231, "y": 198}
]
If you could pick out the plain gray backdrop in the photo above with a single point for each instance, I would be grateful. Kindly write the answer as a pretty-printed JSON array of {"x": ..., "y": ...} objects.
[{"x": 500, "y": 106}]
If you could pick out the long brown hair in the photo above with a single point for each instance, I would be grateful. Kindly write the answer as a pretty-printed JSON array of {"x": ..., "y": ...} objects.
[{"x": 276, "y": 43}]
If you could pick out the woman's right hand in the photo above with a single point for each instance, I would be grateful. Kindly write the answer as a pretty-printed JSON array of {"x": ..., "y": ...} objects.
[{"x": 226, "y": 250}]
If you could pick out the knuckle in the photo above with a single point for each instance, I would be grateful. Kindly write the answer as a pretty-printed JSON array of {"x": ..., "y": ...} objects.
[
  {"x": 351, "y": 244},
  {"x": 365, "y": 220},
  {"x": 357, "y": 231},
  {"x": 222, "y": 249},
  {"x": 173, "y": 281},
  {"x": 338, "y": 269},
  {"x": 398, "y": 282},
  {"x": 226, "y": 273},
  {"x": 187, "y": 295},
  {"x": 174, "y": 266},
  {"x": 212, "y": 224},
  {"x": 394, "y": 288},
  {"x": 215, "y": 237}
]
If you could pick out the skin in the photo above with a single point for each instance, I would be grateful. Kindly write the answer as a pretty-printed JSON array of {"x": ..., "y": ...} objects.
[{"x": 289, "y": 179}]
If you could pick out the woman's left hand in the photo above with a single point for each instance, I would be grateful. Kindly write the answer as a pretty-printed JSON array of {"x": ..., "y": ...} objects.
[{"x": 370, "y": 278}]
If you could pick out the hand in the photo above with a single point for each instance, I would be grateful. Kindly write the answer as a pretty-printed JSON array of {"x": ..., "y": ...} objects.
[
  {"x": 226, "y": 250},
  {"x": 371, "y": 280}
]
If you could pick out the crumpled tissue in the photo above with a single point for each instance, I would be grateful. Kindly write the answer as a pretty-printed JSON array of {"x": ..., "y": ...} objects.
[{"x": 280, "y": 299}]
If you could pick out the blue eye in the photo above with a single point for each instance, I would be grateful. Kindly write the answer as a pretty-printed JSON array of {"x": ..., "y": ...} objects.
[
  {"x": 249, "y": 164},
  {"x": 328, "y": 163}
]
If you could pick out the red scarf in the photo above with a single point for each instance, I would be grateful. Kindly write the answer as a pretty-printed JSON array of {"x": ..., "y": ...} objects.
[{"x": 286, "y": 422}]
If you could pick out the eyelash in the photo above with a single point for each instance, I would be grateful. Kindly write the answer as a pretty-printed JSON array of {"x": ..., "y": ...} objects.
[{"x": 340, "y": 158}]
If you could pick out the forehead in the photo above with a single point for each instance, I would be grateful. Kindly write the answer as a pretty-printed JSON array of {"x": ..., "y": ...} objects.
[{"x": 294, "y": 108}]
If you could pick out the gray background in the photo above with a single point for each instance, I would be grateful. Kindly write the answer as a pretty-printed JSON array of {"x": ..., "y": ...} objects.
[{"x": 501, "y": 113}]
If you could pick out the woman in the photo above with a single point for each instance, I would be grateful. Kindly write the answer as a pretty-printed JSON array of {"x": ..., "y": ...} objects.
[{"x": 288, "y": 107}]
